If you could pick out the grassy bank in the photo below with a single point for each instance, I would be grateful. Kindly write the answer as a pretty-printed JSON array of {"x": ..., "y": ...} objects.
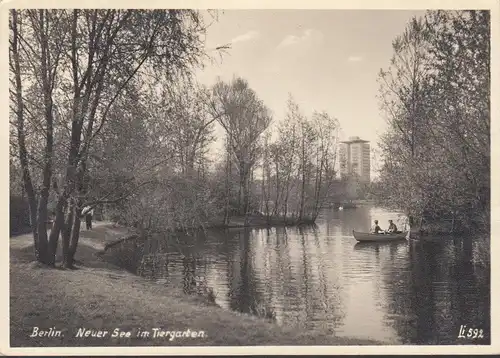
[{"x": 99, "y": 295}]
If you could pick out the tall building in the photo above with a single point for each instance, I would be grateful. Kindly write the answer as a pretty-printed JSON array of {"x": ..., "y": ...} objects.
[{"x": 355, "y": 158}]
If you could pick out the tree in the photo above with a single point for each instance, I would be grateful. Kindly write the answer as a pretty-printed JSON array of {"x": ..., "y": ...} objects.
[
  {"x": 182, "y": 119},
  {"x": 298, "y": 167},
  {"x": 436, "y": 96},
  {"x": 82, "y": 61},
  {"x": 403, "y": 100},
  {"x": 461, "y": 82},
  {"x": 245, "y": 118},
  {"x": 327, "y": 135},
  {"x": 36, "y": 48}
]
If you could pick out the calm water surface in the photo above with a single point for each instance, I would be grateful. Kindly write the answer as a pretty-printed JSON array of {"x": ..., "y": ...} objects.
[{"x": 318, "y": 278}]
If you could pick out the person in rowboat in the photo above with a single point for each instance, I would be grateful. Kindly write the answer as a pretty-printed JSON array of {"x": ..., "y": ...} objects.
[
  {"x": 392, "y": 228},
  {"x": 376, "y": 229}
]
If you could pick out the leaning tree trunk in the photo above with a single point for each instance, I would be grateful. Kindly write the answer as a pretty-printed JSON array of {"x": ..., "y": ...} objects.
[
  {"x": 57, "y": 226},
  {"x": 34, "y": 227},
  {"x": 47, "y": 87},
  {"x": 48, "y": 257},
  {"x": 21, "y": 136},
  {"x": 75, "y": 235},
  {"x": 43, "y": 245},
  {"x": 77, "y": 212},
  {"x": 66, "y": 236}
]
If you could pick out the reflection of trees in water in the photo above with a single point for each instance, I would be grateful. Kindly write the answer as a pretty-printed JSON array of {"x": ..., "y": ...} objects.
[
  {"x": 428, "y": 289},
  {"x": 270, "y": 259},
  {"x": 154, "y": 266},
  {"x": 127, "y": 255},
  {"x": 473, "y": 290},
  {"x": 243, "y": 294},
  {"x": 161, "y": 255},
  {"x": 422, "y": 295},
  {"x": 329, "y": 308},
  {"x": 278, "y": 291},
  {"x": 395, "y": 275},
  {"x": 153, "y": 260},
  {"x": 368, "y": 264},
  {"x": 153, "y": 263},
  {"x": 308, "y": 297},
  {"x": 296, "y": 290},
  {"x": 189, "y": 274},
  {"x": 306, "y": 281},
  {"x": 432, "y": 293},
  {"x": 292, "y": 296}
]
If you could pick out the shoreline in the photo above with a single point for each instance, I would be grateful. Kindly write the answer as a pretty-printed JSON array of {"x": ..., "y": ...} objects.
[
  {"x": 101, "y": 296},
  {"x": 262, "y": 221},
  {"x": 252, "y": 221}
]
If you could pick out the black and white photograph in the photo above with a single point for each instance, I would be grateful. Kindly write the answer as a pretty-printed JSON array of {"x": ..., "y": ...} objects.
[{"x": 249, "y": 176}]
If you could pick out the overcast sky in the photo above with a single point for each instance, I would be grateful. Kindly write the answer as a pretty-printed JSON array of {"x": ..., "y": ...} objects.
[{"x": 327, "y": 59}]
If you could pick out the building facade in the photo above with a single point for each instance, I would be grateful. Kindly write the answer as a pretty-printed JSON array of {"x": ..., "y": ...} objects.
[{"x": 355, "y": 158}]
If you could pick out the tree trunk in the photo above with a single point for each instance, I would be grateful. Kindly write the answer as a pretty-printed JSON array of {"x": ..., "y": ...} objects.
[
  {"x": 287, "y": 194},
  {"x": 303, "y": 188},
  {"x": 21, "y": 138},
  {"x": 57, "y": 226},
  {"x": 228, "y": 189},
  {"x": 82, "y": 186},
  {"x": 241, "y": 206},
  {"x": 34, "y": 227},
  {"x": 66, "y": 236},
  {"x": 55, "y": 230},
  {"x": 49, "y": 141},
  {"x": 241, "y": 191},
  {"x": 43, "y": 245},
  {"x": 75, "y": 235},
  {"x": 245, "y": 201},
  {"x": 278, "y": 190},
  {"x": 302, "y": 196},
  {"x": 246, "y": 195},
  {"x": 318, "y": 202}
]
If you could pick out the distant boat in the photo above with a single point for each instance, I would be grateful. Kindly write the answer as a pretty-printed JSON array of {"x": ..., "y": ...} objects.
[{"x": 369, "y": 237}]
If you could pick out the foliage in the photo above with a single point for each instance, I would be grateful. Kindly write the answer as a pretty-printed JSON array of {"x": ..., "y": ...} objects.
[
  {"x": 244, "y": 118},
  {"x": 436, "y": 98},
  {"x": 105, "y": 113},
  {"x": 69, "y": 70},
  {"x": 298, "y": 167}
]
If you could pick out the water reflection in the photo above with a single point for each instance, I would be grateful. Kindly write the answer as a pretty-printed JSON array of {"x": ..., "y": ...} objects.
[{"x": 318, "y": 278}]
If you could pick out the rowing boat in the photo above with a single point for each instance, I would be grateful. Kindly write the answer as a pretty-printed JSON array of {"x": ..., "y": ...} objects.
[{"x": 369, "y": 237}]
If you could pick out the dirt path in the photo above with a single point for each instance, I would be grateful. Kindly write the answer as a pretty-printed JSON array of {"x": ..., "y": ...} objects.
[{"x": 102, "y": 232}]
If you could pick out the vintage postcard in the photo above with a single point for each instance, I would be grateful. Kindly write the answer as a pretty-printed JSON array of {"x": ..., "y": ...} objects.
[{"x": 253, "y": 177}]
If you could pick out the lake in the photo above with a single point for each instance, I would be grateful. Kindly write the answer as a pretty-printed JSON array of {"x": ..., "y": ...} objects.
[{"x": 319, "y": 278}]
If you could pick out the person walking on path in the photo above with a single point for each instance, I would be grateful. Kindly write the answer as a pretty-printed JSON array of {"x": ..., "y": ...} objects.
[{"x": 89, "y": 213}]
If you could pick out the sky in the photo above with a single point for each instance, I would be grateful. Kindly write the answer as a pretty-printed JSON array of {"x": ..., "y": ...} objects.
[{"x": 327, "y": 59}]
